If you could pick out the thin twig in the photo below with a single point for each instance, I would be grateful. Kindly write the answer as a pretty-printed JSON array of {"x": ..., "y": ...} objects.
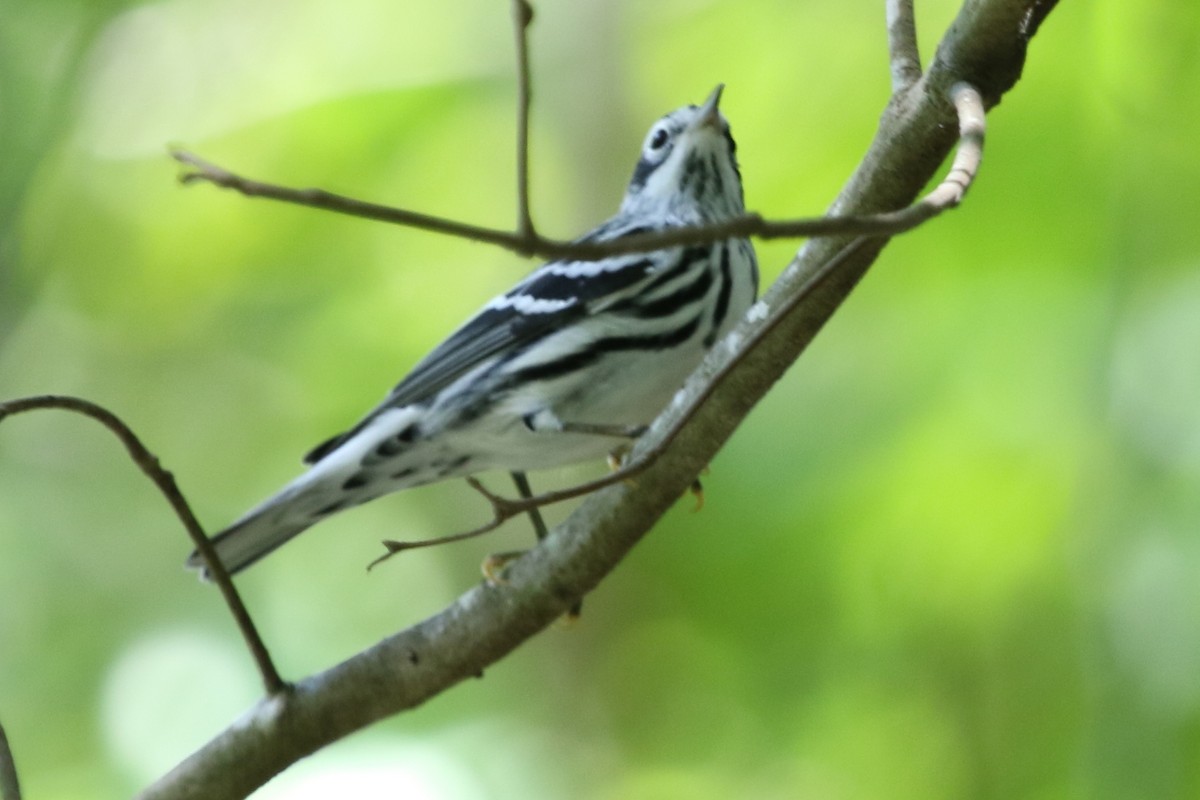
[
  {"x": 503, "y": 510},
  {"x": 945, "y": 195},
  {"x": 165, "y": 481},
  {"x": 746, "y": 225},
  {"x": 903, "y": 53},
  {"x": 10, "y": 787},
  {"x": 522, "y": 17}
]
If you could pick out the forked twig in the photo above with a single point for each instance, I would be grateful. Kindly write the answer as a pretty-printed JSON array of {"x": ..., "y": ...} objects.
[
  {"x": 945, "y": 195},
  {"x": 149, "y": 464},
  {"x": 503, "y": 509}
]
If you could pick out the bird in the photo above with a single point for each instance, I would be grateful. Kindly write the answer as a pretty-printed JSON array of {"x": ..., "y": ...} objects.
[{"x": 563, "y": 368}]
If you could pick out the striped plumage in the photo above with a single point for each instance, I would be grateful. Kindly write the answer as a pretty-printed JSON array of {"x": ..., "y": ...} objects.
[{"x": 604, "y": 343}]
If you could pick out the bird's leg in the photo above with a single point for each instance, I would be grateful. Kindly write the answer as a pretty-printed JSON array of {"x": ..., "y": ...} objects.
[
  {"x": 535, "y": 513},
  {"x": 494, "y": 565}
]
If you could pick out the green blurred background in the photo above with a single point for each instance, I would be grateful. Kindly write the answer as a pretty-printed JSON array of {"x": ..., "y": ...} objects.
[{"x": 954, "y": 553}]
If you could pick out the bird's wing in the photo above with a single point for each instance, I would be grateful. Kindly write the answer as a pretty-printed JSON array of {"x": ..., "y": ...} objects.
[{"x": 551, "y": 296}]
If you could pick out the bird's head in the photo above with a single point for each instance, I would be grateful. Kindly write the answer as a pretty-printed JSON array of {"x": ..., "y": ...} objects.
[{"x": 688, "y": 168}]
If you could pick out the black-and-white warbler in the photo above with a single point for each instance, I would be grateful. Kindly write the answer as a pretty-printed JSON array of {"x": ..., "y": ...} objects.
[{"x": 550, "y": 372}]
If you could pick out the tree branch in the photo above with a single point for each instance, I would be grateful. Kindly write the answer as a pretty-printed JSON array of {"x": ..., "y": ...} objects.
[
  {"x": 985, "y": 47},
  {"x": 903, "y": 54},
  {"x": 10, "y": 787},
  {"x": 165, "y": 481}
]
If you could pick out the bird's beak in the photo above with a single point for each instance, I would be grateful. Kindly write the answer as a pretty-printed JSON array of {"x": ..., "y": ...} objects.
[{"x": 709, "y": 115}]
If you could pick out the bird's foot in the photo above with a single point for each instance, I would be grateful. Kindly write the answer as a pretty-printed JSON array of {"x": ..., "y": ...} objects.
[{"x": 493, "y": 568}]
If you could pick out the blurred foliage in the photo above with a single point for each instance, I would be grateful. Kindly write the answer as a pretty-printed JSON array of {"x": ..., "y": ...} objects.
[{"x": 954, "y": 554}]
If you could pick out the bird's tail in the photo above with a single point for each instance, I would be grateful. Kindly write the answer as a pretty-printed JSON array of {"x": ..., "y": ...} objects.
[
  {"x": 345, "y": 474},
  {"x": 249, "y": 539},
  {"x": 295, "y": 508}
]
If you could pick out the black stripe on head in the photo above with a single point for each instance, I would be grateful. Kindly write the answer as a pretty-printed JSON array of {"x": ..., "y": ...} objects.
[
  {"x": 656, "y": 149},
  {"x": 642, "y": 173},
  {"x": 714, "y": 170},
  {"x": 695, "y": 171}
]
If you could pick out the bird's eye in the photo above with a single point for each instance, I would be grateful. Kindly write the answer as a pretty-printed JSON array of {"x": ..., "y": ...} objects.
[{"x": 659, "y": 139}]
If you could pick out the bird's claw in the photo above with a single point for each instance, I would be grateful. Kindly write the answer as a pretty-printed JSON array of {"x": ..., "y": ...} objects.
[
  {"x": 494, "y": 565},
  {"x": 493, "y": 572},
  {"x": 616, "y": 460}
]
